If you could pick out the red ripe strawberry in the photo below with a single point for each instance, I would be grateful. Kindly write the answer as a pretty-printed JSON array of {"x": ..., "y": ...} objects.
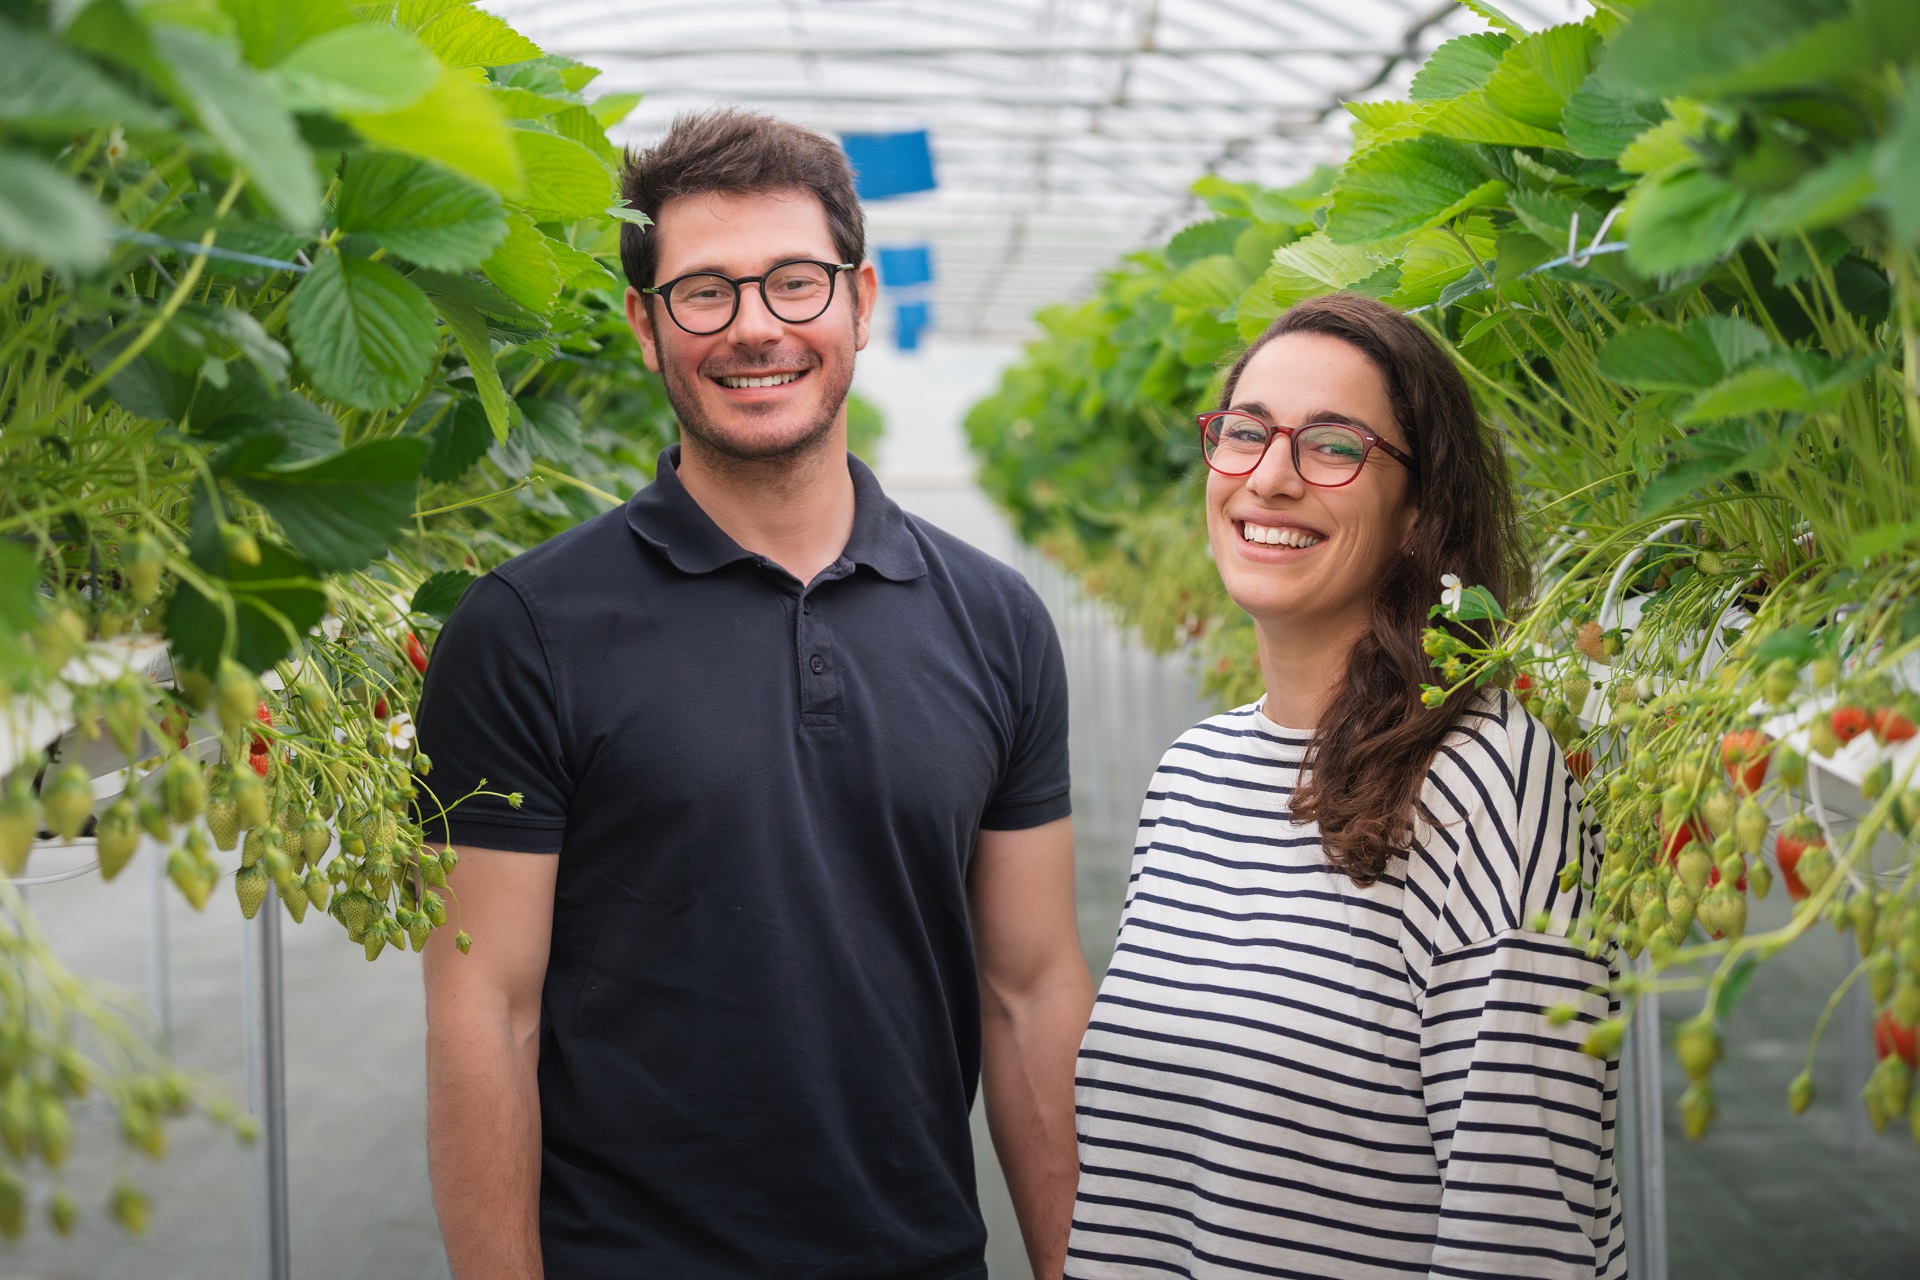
[
  {"x": 416, "y": 653},
  {"x": 1849, "y": 723},
  {"x": 1523, "y": 688},
  {"x": 1890, "y": 1036},
  {"x": 1679, "y": 837},
  {"x": 380, "y": 708},
  {"x": 1580, "y": 763},
  {"x": 1890, "y": 726},
  {"x": 1787, "y": 848},
  {"x": 1745, "y": 752},
  {"x": 259, "y": 760},
  {"x": 174, "y": 725}
]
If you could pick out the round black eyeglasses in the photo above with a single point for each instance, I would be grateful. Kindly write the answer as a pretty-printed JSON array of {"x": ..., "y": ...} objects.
[
  {"x": 706, "y": 302},
  {"x": 1327, "y": 454}
]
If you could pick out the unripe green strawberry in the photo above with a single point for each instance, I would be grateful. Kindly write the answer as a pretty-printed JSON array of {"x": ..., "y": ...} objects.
[
  {"x": 19, "y": 823},
  {"x": 1681, "y": 907},
  {"x": 1814, "y": 867},
  {"x": 1720, "y": 809},
  {"x": 317, "y": 696},
  {"x": 184, "y": 788},
  {"x": 1800, "y": 1093},
  {"x": 1863, "y": 913},
  {"x": 125, "y": 713},
  {"x": 1697, "y": 1109},
  {"x": 67, "y": 800},
  {"x": 1676, "y": 804},
  {"x": 1837, "y": 915},
  {"x": 290, "y": 818},
  {"x": 250, "y": 799},
  {"x": 379, "y": 876},
  {"x": 63, "y": 1212},
  {"x": 1821, "y": 739},
  {"x": 1789, "y": 765},
  {"x": 464, "y": 941},
  {"x": 1875, "y": 783},
  {"x": 433, "y": 871},
  {"x": 130, "y": 1208},
  {"x": 13, "y": 1204},
  {"x": 1708, "y": 912},
  {"x": 1697, "y": 1045},
  {"x": 253, "y": 847},
  {"x": 276, "y": 863},
  {"x": 223, "y": 821},
  {"x": 1660, "y": 948},
  {"x": 435, "y": 908},
  {"x": 1730, "y": 911},
  {"x": 357, "y": 912},
  {"x": 1881, "y": 972},
  {"x": 185, "y": 874},
  {"x": 1694, "y": 864},
  {"x": 141, "y": 561},
  {"x": 153, "y": 821},
  {"x": 1906, "y": 1000},
  {"x": 118, "y": 833},
  {"x": 240, "y": 544},
  {"x": 1760, "y": 878},
  {"x": 250, "y": 886},
  {"x": 315, "y": 838},
  {"x": 236, "y": 697},
  {"x": 1575, "y": 686},
  {"x": 1603, "y": 1040},
  {"x": 1780, "y": 680},
  {"x": 1750, "y": 826},
  {"x": 1826, "y": 670},
  {"x": 53, "y": 1130},
  {"x": 1709, "y": 563},
  {"x": 396, "y": 936},
  {"x": 72, "y": 1072},
  {"x": 317, "y": 887},
  {"x": 1887, "y": 1089},
  {"x": 59, "y": 636},
  {"x": 16, "y": 1116},
  {"x": 449, "y": 858},
  {"x": 375, "y": 943},
  {"x": 294, "y": 894},
  {"x": 417, "y": 932},
  {"x": 421, "y": 764}
]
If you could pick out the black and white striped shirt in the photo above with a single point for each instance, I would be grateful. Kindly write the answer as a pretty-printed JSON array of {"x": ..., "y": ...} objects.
[{"x": 1289, "y": 1076}]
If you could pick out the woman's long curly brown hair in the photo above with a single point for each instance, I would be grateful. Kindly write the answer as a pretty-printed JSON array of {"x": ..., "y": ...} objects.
[{"x": 1371, "y": 750}]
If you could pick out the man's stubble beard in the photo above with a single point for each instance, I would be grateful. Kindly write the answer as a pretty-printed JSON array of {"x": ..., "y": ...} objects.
[{"x": 683, "y": 394}]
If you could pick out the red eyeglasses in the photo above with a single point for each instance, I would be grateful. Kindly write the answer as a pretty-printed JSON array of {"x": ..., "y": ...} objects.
[{"x": 1328, "y": 454}]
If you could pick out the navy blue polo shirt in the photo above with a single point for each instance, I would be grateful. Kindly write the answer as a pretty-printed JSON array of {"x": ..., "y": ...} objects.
[{"x": 760, "y": 1030}]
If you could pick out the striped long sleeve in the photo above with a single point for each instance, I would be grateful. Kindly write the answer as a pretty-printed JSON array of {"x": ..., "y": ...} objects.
[
  {"x": 1290, "y": 1075},
  {"x": 1522, "y": 1120}
]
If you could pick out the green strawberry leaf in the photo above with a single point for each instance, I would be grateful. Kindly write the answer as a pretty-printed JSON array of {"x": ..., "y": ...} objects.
[
  {"x": 1659, "y": 358},
  {"x": 455, "y": 124},
  {"x": 342, "y": 511},
  {"x": 463, "y": 36},
  {"x": 46, "y": 89},
  {"x": 276, "y": 602},
  {"x": 524, "y": 266},
  {"x": 1461, "y": 65},
  {"x": 47, "y": 216},
  {"x": 1405, "y": 186},
  {"x": 440, "y": 593},
  {"x": 459, "y": 439},
  {"x": 419, "y": 210},
  {"x": 564, "y": 178},
  {"x": 364, "y": 333},
  {"x": 359, "y": 68},
  {"x": 469, "y": 329},
  {"x": 239, "y": 109},
  {"x": 270, "y": 30}
]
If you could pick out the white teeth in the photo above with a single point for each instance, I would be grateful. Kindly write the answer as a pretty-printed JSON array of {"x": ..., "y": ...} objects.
[
  {"x": 1273, "y": 536},
  {"x": 771, "y": 380}
]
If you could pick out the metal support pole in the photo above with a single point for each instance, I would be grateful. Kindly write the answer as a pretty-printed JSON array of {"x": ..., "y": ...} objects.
[
  {"x": 159, "y": 985},
  {"x": 1643, "y": 1153},
  {"x": 270, "y": 1249}
]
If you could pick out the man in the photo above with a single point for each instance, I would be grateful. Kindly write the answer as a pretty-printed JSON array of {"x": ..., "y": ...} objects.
[{"x": 793, "y": 870}]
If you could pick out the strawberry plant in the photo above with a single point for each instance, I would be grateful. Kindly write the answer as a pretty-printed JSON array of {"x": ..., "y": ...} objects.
[
  {"x": 1674, "y": 249},
  {"x": 307, "y": 319}
]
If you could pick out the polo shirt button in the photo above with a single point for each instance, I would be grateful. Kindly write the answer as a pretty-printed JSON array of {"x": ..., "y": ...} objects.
[{"x": 818, "y": 664}]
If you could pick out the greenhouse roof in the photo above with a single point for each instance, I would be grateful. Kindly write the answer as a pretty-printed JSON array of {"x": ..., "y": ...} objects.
[{"x": 1064, "y": 133}]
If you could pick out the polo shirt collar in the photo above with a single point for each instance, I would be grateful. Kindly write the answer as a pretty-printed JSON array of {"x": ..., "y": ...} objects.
[{"x": 666, "y": 515}]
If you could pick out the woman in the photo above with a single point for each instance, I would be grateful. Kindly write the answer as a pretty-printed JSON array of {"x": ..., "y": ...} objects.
[{"x": 1320, "y": 1050}]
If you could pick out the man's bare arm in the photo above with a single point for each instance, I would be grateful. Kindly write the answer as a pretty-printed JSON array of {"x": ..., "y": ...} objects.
[
  {"x": 483, "y": 1048},
  {"x": 1036, "y": 997}
]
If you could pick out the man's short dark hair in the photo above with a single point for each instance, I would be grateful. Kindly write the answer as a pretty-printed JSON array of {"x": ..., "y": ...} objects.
[{"x": 736, "y": 153}]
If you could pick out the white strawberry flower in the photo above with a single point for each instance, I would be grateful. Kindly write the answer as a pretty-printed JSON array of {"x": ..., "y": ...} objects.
[
  {"x": 1451, "y": 592},
  {"x": 400, "y": 731}
]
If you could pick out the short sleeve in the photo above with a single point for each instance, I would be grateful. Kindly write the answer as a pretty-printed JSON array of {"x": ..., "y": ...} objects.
[
  {"x": 487, "y": 719},
  {"x": 1036, "y": 784}
]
